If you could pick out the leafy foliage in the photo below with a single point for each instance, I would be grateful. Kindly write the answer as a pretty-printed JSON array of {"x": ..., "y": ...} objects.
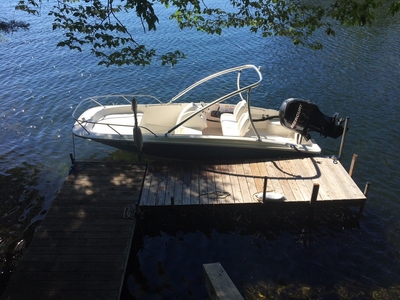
[
  {"x": 96, "y": 23},
  {"x": 12, "y": 26}
]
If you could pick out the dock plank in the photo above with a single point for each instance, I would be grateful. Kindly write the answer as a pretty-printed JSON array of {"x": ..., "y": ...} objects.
[
  {"x": 186, "y": 179},
  {"x": 243, "y": 184},
  {"x": 250, "y": 182},
  {"x": 236, "y": 192},
  {"x": 226, "y": 181},
  {"x": 170, "y": 188},
  {"x": 290, "y": 173},
  {"x": 195, "y": 184},
  {"x": 178, "y": 184}
]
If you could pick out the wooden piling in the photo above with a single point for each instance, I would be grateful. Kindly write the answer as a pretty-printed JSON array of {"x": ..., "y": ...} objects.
[
  {"x": 366, "y": 189},
  {"x": 353, "y": 164}
]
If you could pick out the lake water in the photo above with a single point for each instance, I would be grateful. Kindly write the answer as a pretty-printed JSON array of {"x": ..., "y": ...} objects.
[{"x": 276, "y": 256}]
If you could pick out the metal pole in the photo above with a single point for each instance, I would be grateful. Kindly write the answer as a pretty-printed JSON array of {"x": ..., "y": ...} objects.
[{"x": 343, "y": 137}]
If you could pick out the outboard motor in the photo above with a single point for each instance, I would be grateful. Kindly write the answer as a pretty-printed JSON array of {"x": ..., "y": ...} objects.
[{"x": 303, "y": 116}]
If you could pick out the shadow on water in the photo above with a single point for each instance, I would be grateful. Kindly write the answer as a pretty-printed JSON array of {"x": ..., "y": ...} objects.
[
  {"x": 267, "y": 254},
  {"x": 21, "y": 208}
]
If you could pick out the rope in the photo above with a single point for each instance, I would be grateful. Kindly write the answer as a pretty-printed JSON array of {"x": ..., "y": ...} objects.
[
  {"x": 127, "y": 213},
  {"x": 214, "y": 195}
]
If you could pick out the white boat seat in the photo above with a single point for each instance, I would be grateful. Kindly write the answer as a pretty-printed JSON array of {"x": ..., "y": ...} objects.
[
  {"x": 240, "y": 128},
  {"x": 193, "y": 126},
  {"x": 239, "y": 110}
]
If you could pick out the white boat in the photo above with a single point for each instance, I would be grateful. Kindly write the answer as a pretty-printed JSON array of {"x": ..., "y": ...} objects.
[{"x": 223, "y": 127}]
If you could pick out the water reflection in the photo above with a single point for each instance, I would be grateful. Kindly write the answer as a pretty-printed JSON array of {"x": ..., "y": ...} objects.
[
  {"x": 22, "y": 210},
  {"x": 267, "y": 254}
]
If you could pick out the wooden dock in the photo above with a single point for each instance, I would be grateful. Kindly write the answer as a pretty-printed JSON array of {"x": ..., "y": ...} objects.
[
  {"x": 195, "y": 183},
  {"x": 81, "y": 249}
]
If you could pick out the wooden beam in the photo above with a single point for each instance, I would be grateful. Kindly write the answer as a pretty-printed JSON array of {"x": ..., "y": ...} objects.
[{"x": 219, "y": 285}]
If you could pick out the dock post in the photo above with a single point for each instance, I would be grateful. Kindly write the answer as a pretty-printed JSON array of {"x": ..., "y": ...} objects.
[
  {"x": 172, "y": 201},
  {"x": 313, "y": 200},
  {"x": 366, "y": 189},
  {"x": 314, "y": 193},
  {"x": 346, "y": 123},
  {"x": 353, "y": 164},
  {"x": 265, "y": 188}
]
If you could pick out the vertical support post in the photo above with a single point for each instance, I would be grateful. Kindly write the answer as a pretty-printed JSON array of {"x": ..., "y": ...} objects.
[
  {"x": 73, "y": 145},
  {"x": 265, "y": 188},
  {"x": 346, "y": 123},
  {"x": 313, "y": 200},
  {"x": 353, "y": 164},
  {"x": 173, "y": 201},
  {"x": 366, "y": 189},
  {"x": 314, "y": 193}
]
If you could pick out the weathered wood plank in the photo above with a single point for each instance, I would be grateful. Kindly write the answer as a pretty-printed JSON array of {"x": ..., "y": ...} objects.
[
  {"x": 227, "y": 185},
  {"x": 211, "y": 185},
  {"x": 275, "y": 178},
  {"x": 303, "y": 181},
  {"x": 259, "y": 182},
  {"x": 195, "y": 184},
  {"x": 170, "y": 187},
  {"x": 262, "y": 166},
  {"x": 153, "y": 186},
  {"x": 178, "y": 184},
  {"x": 218, "y": 283},
  {"x": 146, "y": 187},
  {"x": 311, "y": 172},
  {"x": 186, "y": 183},
  {"x": 235, "y": 185},
  {"x": 250, "y": 182},
  {"x": 203, "y": 186},
  {"x": 291, "y": 174},
  {"x": 162, "y": 184},
  {"x": 219, "y": 185},
  {"x": 243, "y": 184}
]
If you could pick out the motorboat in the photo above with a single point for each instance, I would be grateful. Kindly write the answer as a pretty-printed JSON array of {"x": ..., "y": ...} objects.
[{"x": 205, "y": 122}]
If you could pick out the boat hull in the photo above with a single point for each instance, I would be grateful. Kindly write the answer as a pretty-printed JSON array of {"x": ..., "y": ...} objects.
[{"x": 212, "y": 149}]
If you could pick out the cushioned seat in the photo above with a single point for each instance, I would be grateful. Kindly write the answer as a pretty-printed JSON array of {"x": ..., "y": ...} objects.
[
  {"x": 193, "y": 126},
  {"x": 239, "y": 110},
  {"x": 240, "y": 128},
  {"x": 238, "y": 123}
]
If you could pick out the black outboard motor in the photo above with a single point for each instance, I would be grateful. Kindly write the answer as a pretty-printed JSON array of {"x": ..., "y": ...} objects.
[{"x": 303, "y": 116}]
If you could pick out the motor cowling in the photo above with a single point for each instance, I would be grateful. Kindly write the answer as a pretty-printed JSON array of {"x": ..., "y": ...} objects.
[{"x": 303, "y": 116}]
